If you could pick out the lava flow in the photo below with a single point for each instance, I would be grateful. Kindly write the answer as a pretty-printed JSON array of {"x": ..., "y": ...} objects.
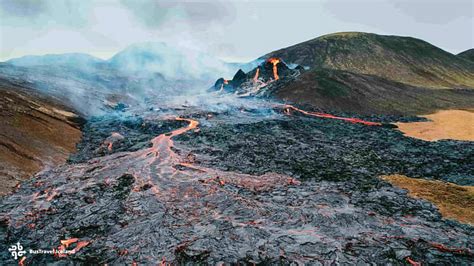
[
  {"x": 255, "y": 78},
  {"x": 287, "y": 109},
  {"x": 275, "y": 62},
  {"x": 69, "y": 241},
  {"x": 122, "y": 208}
]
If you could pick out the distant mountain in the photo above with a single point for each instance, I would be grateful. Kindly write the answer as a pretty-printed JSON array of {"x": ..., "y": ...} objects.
[
  {"x": 69, "y": 59},
  {"x": 171, "y": 62},
  {"x": 132, "y": 75},
  {"x": 144, "y": 58},
  {"x": 468, "y": 54},
  {"x": 402, "y": 59}
]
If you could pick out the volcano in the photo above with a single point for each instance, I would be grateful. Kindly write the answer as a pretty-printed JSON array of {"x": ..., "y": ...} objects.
[
  {"x": 261, "y": 81},
  {"x": 296, "y": 160},
  {"x": 364, "y": 73}
]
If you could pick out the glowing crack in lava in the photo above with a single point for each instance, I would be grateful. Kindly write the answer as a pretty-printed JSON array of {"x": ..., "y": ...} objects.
[
  {"x": 287, "y": 110},
  {"x": 66, "y": 243},
  {"x": 275, "y": 62},
  {"x": 255, "y": 78}
]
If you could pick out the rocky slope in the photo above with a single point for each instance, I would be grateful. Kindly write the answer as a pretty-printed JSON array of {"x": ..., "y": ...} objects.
[
  {"x": 362, "y": 73},
  {"x": 367, "y": 94},
  {"x": 402, "y": 59},
  {"x": 36, "y": 131}
]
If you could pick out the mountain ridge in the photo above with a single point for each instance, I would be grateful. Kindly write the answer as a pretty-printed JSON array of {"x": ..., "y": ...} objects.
[
  {"x": 403, "y": 59},
  {"x": 54, "y": 59},
  {"x": 468, "y": 54},
  {"x": 362, "y": 73}
]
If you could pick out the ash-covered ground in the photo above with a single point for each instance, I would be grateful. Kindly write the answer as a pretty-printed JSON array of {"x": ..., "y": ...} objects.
[{"x": 251, "y": 183}]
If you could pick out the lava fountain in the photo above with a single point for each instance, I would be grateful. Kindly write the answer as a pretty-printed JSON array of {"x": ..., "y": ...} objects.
[{"x": 274, "y": 61}]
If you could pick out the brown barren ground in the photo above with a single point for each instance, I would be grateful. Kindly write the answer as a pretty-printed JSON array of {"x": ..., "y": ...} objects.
[
  {"x": 446, "y": 124},
  {"x": 35, "y": 132},
  {"x": 453, "y": 201}
]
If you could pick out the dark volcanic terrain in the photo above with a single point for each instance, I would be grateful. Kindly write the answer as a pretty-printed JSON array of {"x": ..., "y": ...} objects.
[
  {"x": 167, "y": 172},
  {"x": 243, "y": 187}
]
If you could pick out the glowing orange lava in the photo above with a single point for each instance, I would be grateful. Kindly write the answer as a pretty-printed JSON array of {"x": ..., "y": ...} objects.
[
  {"x": 275, "y": 62},
  {"x": 287, "y": 108},
  {"x": 69, "y": 241},
  {"x": 412, "y": 262},
  {"x": 65, "y": 244},
  {"x": 159, "y": 160},
  {"x": 255, "y": 78}
]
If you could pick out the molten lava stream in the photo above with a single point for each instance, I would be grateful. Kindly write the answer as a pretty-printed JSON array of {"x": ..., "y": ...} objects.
[
  {"x": 288, "y": 107},
  {"x": 255, "y": 78},
  {"x": 275, "y": 62},
  {"x": 157, "y": 162}
]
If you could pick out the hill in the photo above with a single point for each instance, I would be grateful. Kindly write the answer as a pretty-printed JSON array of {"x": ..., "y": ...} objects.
[
  {"x": 36, "y": 130},
  {"x": 468, "y": 54},
  {"x": 402, "y": 59},
  {"x": 368, "y": 94},
  {"x": 362, "y": 73}
]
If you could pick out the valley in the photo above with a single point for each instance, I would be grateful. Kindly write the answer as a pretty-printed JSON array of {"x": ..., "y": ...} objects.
[{"x": 319, "y": 153}]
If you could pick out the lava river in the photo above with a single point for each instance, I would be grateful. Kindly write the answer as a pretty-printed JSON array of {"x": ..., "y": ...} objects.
[{"x": 158, "y": 205}]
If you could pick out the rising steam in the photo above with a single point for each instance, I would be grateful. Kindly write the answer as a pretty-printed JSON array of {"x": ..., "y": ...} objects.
[{"x": 133, "y": 77}]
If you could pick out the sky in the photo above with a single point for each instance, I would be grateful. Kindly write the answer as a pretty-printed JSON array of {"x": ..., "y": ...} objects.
[{"x": 231, "y": 30}]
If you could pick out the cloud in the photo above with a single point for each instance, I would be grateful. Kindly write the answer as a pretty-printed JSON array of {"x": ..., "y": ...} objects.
[
  {"x": 231, "y": 29},
  {"x": 197, "y": 14},
  {"x": 447, "y": 24},
  {"x": 435, "y": 11},
  {"x": 23, "y": 8},
  {"x": 44, "y": 13},
  {"x": 382, "y": 12}
]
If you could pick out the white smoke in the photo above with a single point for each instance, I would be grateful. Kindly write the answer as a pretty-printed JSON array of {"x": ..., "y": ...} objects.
[{"x": 134, "y": 76}]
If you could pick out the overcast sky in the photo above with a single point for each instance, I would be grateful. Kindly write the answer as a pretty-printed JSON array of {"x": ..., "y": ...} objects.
[{"x": 232, "y": 30}]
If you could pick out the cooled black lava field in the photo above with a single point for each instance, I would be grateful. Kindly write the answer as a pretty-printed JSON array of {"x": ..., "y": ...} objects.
[{"x": 243, "y": 185}]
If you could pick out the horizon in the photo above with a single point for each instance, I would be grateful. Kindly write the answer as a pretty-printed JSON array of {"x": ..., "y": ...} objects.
[
  {"x": 220, "y": 58},
  {"x": 225, "y": 30}
]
